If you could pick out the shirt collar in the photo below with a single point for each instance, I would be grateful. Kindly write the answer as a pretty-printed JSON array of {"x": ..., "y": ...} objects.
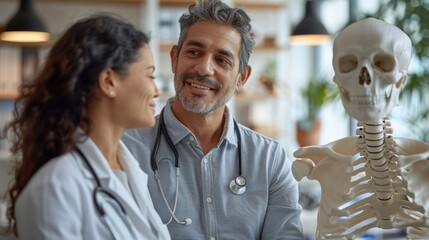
[
  {"x": 178, "y": 131},
  {"x": 175, "y": 129},
  {"x": 229, "y": 130}
]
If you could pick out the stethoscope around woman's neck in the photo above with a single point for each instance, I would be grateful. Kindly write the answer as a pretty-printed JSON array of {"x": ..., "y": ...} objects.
[
  {"x": 98, "y": 193},
  {"x": 237, "y": 184}
]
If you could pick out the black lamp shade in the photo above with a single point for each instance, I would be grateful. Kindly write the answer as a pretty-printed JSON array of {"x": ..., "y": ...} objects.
[
  {"x": 310, "y": 31},
  {"x": 25, "y": 26}
]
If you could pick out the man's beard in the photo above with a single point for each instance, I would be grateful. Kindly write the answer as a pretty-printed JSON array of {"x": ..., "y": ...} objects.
[{"x": 196, "y": 104}]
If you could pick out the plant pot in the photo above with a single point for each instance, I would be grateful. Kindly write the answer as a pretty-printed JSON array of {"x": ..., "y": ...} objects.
[{"x": 308, "y": 132}]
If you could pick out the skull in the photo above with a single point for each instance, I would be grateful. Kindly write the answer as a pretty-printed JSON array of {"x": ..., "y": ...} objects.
[{"x": 370, "y": 60}]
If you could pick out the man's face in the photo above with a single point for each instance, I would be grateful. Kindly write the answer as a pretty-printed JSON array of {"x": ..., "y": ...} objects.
[{"x": 207, "y": 67}]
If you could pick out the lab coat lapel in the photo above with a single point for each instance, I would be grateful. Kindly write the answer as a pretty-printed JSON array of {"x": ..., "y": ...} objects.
[
  {"x": 137, "y": 179},
  {"x": 138, "y": 184},
  {"x": 111, "y": 182}
]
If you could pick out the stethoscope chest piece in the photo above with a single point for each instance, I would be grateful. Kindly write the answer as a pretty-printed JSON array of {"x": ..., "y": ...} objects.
[{"x": 238, "y": 185}]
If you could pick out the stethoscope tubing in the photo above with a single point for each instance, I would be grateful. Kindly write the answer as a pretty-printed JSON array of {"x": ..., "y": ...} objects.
[
  {"x": 100, "y": 189},
  {"x": 162, "y": 130},
  {"x": 237, "y": 184},
  {"x": 172, "y": 211},
  {"x": 240, "y": 173}
]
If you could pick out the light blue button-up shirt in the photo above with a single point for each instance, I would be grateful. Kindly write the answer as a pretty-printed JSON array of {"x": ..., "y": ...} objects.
[{"x": 269, "y": 207}]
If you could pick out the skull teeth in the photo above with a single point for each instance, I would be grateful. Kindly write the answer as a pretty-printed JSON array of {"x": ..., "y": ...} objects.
[
  {"x": 345, "y": 94},
  {"x": 388, "y": 91},
  {"x": 367, "y": 100}
]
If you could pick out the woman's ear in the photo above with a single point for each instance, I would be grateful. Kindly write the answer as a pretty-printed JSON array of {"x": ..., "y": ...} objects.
[{"x": 106, "y": 82}]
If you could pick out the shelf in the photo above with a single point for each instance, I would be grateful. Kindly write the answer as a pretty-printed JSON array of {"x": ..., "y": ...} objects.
[
  {"x": 247, "y": 96},
  {"x": 166, "y": 46},
  {"x": 269, "y": 131},
  {"x": 161, "y": 2},
  {"x": 176, "y": 2},
  {"x": 97, "y": 1},
  {"x": 264, "y": 46},
  {"x": 239, "y": 3},
  {"x": 259, "y": 5},
  {"x": 8, "y": 95}
]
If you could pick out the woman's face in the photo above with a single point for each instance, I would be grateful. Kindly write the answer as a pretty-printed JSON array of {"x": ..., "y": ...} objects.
[{"x": 137, "y": 92}]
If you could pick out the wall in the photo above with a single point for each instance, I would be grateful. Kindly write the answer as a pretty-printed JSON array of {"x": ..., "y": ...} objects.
[
  {"x": 57, "y": 15},
  {"x": 295, "y": 64}
]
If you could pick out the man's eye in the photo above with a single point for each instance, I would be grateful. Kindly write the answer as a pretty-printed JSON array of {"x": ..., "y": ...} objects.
[
  {"x": 192, "y": 52},
  {"x": 223, "y": 61}
]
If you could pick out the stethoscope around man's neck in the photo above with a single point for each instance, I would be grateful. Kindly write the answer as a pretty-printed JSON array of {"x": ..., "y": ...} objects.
[{"x": 237, "y": 184}]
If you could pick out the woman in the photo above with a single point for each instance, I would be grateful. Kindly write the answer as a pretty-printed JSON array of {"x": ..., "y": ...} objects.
[{"x": 76, "y": 179}]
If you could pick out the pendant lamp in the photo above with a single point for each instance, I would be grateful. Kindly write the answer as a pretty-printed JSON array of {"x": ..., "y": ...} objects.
[
  {"x": 310, "y": 31},
  {"x": 25, "y": 26}
]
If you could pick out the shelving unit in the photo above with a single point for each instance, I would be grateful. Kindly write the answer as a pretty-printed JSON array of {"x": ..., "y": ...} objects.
[
  {"x": 269, "y": 46},
  {"x": 58, "y": 14},
  {"x": 248, "y": 106}
]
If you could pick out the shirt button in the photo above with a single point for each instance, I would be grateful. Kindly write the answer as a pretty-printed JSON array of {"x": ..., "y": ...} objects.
[
  {"x": 212, "y": 238},
  {"x": 191, "y": 139},
  {"x": 209, "y": 199}
]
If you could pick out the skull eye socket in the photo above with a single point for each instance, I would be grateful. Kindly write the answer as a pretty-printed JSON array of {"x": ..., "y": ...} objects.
[
  {"x": 347, "y": 63},
  {"x": 384, "y": 62}
]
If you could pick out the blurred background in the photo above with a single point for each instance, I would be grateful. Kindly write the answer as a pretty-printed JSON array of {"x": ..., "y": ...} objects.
[{"x": 290, "y": 95}]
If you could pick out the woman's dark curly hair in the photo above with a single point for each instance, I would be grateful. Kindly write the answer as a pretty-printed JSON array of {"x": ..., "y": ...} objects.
[{"x": 49, "y": 110}]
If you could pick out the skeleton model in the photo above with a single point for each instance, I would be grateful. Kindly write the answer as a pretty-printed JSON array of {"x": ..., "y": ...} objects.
[{"x": 371, "y": 179}]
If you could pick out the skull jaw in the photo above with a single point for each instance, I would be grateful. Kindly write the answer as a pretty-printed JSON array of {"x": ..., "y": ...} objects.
[
  {"x": 366, "y": 110},
  {"x": 367, "y": 106}
]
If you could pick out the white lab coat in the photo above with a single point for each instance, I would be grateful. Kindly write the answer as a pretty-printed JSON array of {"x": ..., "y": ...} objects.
[{"x": 58, "y": 201}]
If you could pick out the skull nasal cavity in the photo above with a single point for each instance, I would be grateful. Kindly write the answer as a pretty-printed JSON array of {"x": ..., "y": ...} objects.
[{"x": 364, "y": 77}]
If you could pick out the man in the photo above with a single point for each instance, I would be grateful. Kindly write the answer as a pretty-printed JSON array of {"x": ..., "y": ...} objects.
[{"x": 208, "y": 199}]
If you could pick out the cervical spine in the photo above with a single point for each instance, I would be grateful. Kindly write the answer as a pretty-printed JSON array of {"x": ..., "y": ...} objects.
[{"x": 374, "y": 136}]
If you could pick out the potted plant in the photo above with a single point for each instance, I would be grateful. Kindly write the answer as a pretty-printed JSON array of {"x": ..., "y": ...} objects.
[
  {"x": 316, "y": 93},
  {"x": 268, "y": 76}
]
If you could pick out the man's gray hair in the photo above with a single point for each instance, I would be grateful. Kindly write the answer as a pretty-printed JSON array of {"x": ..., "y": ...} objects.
[{"x": 218, "y": 11}]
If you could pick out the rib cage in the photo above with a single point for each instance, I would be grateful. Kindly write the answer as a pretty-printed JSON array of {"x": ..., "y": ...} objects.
[{"x": 378, "y": 195}]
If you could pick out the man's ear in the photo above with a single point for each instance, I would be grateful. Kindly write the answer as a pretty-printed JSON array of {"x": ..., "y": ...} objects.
[
  {"x": 243, "y": 77},
  {"x": 173, "y": 58},
  {"x": 106, "y": 82}
]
